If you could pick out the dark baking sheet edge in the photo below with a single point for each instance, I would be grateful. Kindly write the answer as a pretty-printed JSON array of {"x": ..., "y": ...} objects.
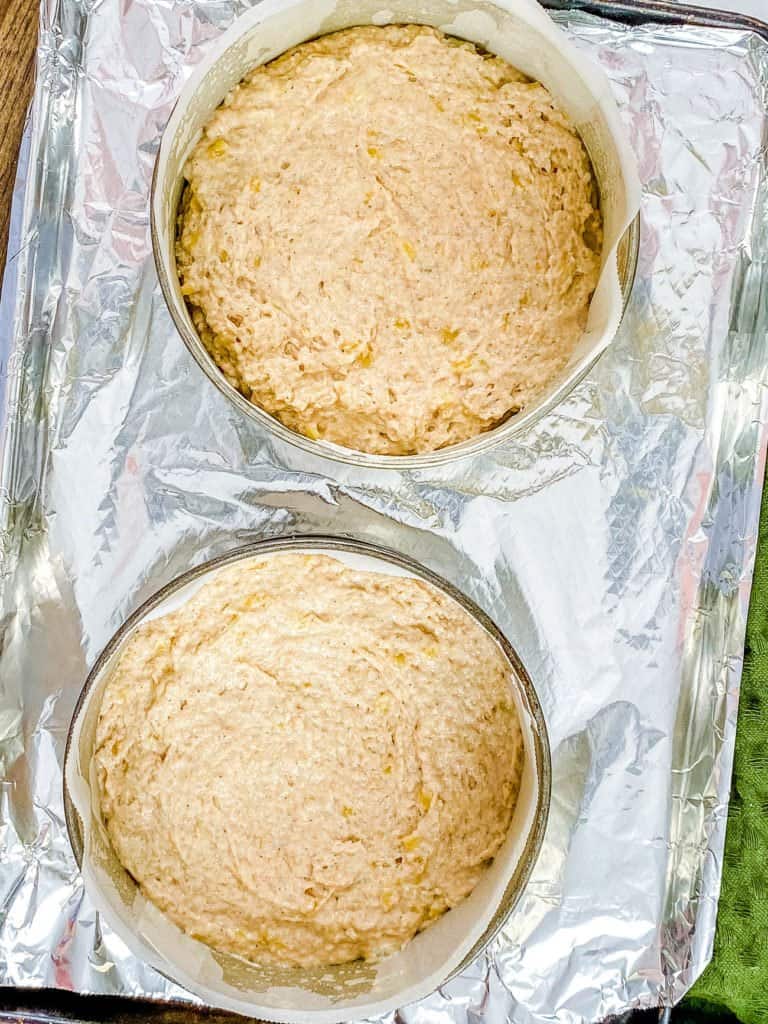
[{"x": 662, "y": 13}]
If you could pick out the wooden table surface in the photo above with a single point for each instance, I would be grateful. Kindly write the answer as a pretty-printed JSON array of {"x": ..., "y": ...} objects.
[{"x": 18, "y": 34}]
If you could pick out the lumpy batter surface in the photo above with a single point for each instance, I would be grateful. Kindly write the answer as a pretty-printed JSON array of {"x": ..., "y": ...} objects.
[
  {"x": 308, "y": 763},
  {"x": 388, "y": 239}
]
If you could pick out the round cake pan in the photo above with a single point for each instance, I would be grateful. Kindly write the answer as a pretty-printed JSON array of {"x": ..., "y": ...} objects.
[
  {"x": 349, "y": 991},
  {"x": 517, "y": 30}
]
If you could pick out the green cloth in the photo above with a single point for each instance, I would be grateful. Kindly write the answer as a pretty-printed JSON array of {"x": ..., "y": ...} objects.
[{"x": 737, "y": 978}]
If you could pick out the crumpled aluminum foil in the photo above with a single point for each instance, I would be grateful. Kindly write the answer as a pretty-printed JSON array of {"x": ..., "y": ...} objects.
[{"x": 613, "y": 543}]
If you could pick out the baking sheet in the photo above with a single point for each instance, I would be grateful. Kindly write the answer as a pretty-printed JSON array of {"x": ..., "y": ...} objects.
[{"x": 613, "y": 543}]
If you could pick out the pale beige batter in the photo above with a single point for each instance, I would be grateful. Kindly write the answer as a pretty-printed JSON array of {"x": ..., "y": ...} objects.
[
  {"x": 308, "y": 763},
  {"x": 389, "y": 240}
]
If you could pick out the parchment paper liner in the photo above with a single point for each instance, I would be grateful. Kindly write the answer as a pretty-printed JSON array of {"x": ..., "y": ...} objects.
[
  {"x": 290, "y": 994},
  {"x": 517, "y": 30}
]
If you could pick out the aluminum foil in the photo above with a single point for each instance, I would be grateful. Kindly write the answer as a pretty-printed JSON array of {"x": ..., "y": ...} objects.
[{"x": 613, "y": 543}]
